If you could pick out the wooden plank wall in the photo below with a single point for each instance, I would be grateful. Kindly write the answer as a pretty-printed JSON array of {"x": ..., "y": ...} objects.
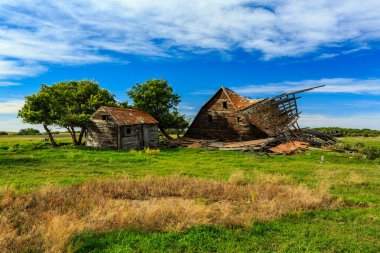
[
  {"x": 101, "y": 133},
  {"x": 139, "y": 136},
  {"x": 151, "y": 136}
]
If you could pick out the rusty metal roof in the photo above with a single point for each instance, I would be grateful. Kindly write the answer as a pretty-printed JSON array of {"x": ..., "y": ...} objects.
[
  {"x": 239, "y": 101},
  {"x": 129, "y": 116}
]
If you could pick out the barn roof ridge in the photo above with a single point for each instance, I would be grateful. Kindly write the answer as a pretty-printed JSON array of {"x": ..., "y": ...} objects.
[{"x": 129, "y": 116}]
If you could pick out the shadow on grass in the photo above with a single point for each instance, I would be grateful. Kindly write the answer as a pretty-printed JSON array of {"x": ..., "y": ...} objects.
[{"x": 18, "y": 161}]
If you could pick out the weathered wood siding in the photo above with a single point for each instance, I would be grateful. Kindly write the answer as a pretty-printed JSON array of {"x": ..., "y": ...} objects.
[
  {"x": 139, "y": 136},
  {"x": 102, "y": 133},
  {"x": 216, "y": 122},
  {"x": 131, "y": 137},
  {"x": 151, "y": 136}
]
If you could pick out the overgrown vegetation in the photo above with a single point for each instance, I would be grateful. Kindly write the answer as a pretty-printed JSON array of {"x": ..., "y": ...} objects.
[
  {"x": 343, "y": 132},
  {"x": 32, "y": 172},
  {"x": 368, "y": 152},
  {"x": 3, "y": 133}
]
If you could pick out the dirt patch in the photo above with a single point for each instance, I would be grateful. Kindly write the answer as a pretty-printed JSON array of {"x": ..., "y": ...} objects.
[
  {"x": 44, "y": 220},
  {"x": 290, "y": 147}
]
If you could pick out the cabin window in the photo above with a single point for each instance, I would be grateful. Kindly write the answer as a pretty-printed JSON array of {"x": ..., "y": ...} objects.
[
  {"x": 128, "y": 130},
  {"x": 209, "y": 118},
  {"x": 104, "y": 117},
  {"x": 224, "y": 105},
  {"x": 238, "y": 119}
]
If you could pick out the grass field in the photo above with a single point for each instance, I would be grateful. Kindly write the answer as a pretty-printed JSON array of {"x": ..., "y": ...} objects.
[{"x": 27, "y": 164}]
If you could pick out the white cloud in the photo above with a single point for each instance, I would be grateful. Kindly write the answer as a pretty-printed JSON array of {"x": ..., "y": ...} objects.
[
  {"x": 333, "y": 85},
  {"x": 371, "y": 121},
  {"x": 33, "y": 33},
  {"x": 8, "y": 83},
  {"x": 185, "y": 106},
  {"x": 14, "y": 124},
  {"x": 10, "y": 106},
  {"x": 16, "y": 69}
]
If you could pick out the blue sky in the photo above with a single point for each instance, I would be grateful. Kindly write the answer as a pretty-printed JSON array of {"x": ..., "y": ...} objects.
[{"x": 257, "y": 48}]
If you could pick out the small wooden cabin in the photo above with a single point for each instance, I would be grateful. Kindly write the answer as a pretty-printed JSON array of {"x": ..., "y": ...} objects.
[
  {"x": 221, "y": 118},
  {"x": 118, "y": 128}
]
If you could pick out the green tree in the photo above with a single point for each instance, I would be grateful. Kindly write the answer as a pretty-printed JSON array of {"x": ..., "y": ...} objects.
[
  {"x": 124, "y": 105},
  {"x": 41, "y": 108},
  {"x": 179, "y": 122},
  {"x": 156, "y": 97},
  {"x": 78, "y": 100},
  {"x": 65, "y": 104}
]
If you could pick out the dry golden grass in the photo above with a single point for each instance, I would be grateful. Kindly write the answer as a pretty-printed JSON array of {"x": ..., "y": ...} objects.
[
  {"x": 150, "y": 151},
  {"x": 44, "y": 220},
  {"x": 355, "y": 178},
  {"x": 237, "y": 177}
]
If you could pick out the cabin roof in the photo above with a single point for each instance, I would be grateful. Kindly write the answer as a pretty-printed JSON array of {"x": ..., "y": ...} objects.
[
  {"x": 239, "y": 101},
  {"x": 129, "y": 116}
]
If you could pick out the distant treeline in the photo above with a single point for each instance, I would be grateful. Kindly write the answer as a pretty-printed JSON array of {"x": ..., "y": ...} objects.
[
  {"x": 27, "y": 131},
  {"x": 337, "y": 131}
]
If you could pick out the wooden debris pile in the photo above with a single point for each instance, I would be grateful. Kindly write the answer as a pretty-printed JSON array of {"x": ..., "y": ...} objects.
[{"x": 288, "y": 143}]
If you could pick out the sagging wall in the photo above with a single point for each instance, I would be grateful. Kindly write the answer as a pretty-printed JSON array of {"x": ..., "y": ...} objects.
[
  {"x": 102, "y": 133},
  {"x": 138, "y": 136},
  {"x": 216, "y": 122}
]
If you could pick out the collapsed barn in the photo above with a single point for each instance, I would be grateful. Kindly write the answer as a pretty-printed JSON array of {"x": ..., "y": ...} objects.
[
  {"x": 118, "y": 128},
  {"x": 228, "y": 116}
]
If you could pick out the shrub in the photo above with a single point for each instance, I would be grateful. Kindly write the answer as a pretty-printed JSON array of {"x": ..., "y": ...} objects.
[
  {"x": 343, "y": 146},
  {"x": 359, "y": 145},
  {"x": 28, "y": 131},
  {"x": 3, "y": 133},
  {"x": 371, "y": 153}
]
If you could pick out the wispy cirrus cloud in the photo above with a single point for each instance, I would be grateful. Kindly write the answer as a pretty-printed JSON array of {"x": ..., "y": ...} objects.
[
  {"x": 8, "y": 83},
  {"x": 34, "y": 34},
  {"x": 16, "y": 69},
  {"x": 333, "y": 85},
  {"x": 10, "y": 106}
]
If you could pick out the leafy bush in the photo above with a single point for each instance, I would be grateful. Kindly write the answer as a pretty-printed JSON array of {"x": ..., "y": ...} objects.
[
  {"x": 3, "y": 133},
  {"x": 28, "y": 131},
  {"x": 344, "y": 146},
  {"x": 371, "y": 153}
]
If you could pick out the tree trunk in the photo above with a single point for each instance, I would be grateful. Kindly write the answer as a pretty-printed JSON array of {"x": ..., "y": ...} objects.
[
  {"x": 81, "y": 134},
  {"x": 52, "y": 141},
  {"x": 164, "y": 133},
  {"x": 73, "y": 135}
]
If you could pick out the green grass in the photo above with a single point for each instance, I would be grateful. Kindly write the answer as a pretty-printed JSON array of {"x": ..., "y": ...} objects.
[
  {"x": 370, "y": 141},
  {"x": 27, "y": 163}
]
